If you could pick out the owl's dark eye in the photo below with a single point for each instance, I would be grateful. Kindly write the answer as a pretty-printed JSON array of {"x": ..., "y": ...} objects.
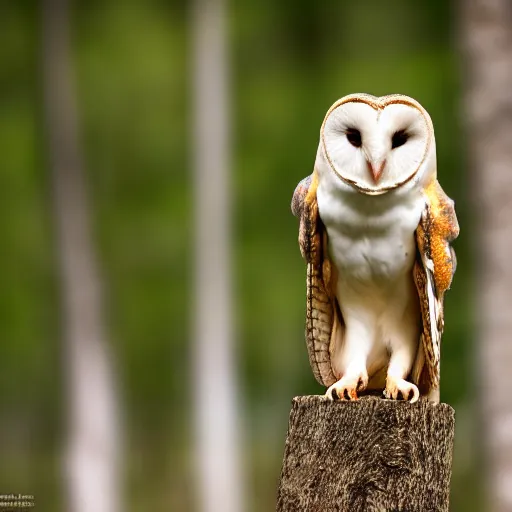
[
  {"x": 399, "y": 139},
  {"x": 354, "y": 137}
]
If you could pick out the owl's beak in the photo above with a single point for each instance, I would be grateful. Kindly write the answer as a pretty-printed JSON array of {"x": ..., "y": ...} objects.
[{"x": 376, "y": 169}]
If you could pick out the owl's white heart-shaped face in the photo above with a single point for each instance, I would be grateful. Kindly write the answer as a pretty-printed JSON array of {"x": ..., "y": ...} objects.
[{"x": 376, "y": 144}]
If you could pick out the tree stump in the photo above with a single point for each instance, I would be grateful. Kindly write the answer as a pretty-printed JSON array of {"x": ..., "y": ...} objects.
[{"x": 371, "y": 455}]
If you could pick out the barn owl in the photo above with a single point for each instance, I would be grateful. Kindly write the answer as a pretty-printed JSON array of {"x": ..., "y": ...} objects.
[{"x": 375, "y": 231}]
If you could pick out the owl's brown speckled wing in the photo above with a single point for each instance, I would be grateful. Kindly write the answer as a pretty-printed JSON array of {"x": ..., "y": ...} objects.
[
  {"x": 323, "y": 317},
  {"x": 433, "y": 273}
]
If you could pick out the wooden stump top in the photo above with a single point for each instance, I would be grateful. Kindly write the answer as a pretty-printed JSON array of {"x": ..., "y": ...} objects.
[{"x": 371, "y": 455}]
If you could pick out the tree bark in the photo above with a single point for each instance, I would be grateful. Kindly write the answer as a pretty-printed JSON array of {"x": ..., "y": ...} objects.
[
  {"x": 486, "y": 43},
  {"x": 92, "y": 465},
  {"x": 373, "y": 455},
  {"x": 217, "y": 445}
]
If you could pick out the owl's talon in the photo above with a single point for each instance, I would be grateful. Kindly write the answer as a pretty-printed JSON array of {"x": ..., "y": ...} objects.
[
  {"x": 347, "y": 387},
  {"x": 395, "y": 386}
]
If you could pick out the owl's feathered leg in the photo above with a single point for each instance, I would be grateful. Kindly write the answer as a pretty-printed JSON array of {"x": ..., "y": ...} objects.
[
  {"x": 350, "y": 358},
  {"x": 403, "y": 347},
  {"x": 401, "y": 331}
]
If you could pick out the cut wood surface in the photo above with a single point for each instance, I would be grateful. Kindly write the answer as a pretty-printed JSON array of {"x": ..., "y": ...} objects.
[{"x": 372, "y": 455}]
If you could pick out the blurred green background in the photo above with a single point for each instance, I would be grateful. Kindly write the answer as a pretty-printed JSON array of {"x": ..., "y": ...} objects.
[{"x": 290, "y": 61}]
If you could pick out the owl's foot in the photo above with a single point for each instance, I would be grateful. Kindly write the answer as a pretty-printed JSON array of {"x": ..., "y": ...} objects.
[
  {"x": 347, "y": 387},
  {"x": 408, "y": 390}
]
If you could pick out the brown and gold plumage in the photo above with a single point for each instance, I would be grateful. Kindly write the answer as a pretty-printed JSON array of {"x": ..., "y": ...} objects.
[
  {"x": 433, "y": 272},
  {"x": 322, "y": 316}
]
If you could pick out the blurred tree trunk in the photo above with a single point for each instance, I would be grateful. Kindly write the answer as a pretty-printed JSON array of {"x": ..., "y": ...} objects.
[
  {"x": 486, "y": 36},
  {"x": 215, "y": 387},
  {"x": 92, "y": 469}
]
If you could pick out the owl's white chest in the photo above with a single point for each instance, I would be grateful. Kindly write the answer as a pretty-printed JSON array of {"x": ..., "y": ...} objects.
[{"x": 371, "y": 238}]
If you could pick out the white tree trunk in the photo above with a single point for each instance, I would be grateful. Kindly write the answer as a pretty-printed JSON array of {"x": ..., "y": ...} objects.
[
  {"x": 92, "y": 465},
  {"x": 215, "y": 387},
  {"x": 486, "y": 36}
]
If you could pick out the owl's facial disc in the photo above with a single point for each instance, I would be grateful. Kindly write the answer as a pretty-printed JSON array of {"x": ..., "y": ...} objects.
[{"x": 376, "y": 144}]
